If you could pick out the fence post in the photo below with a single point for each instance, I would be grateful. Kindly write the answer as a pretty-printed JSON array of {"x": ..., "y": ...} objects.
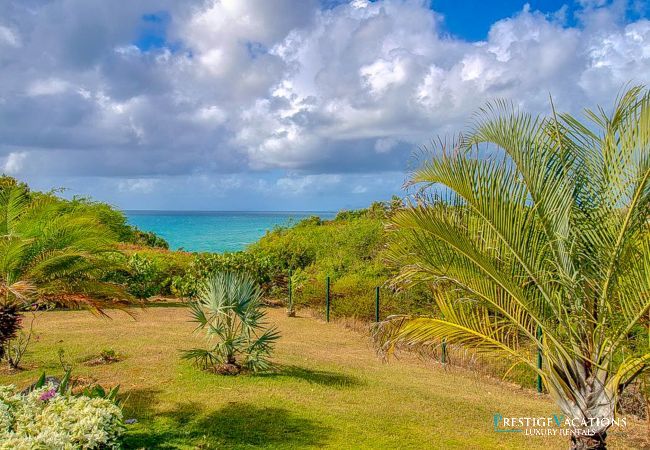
[
  {"x": 290, "y": 289},
  {"x": 443, "y": 353},
  {"x": 377, "y": 304},
  {"x": 539, "y": 358},
  {"x": 327, "y": 303}
]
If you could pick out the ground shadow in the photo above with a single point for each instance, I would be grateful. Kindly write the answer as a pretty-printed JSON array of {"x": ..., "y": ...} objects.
[
  {"x": 235, "y": 425},
  {"x": 321, "y": 377},
  {"x": 139, "y": 403},
  {"x": 143, "y": 305},
  {"x": 246, "y": 424}
]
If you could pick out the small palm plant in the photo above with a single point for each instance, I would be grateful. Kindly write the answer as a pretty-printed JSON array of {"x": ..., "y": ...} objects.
[
  {"x": 229, "y": 309},
  {"x": 542, "y": 243}
]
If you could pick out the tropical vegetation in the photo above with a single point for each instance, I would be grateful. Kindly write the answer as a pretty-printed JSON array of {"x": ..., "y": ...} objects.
[
  {"x": 533, "y": 233},
  {"x": 229, "y": 310},
  {"x": 51, "y": 253},
  {"x": 50, "y": 417}
]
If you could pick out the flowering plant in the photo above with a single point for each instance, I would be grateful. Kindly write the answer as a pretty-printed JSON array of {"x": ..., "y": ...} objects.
[{"x": 48, "y": 418}]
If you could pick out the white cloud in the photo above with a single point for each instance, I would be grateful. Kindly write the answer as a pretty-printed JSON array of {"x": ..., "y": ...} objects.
[
  {"x": 385, "y": 145},
  {"x": 9, "y": 37},
  {"x": 14, "y": 163},
  {"x": 138, "y": 185},
  {"x": 264, "y": 87},
  {"x": 297, "y": 185},
  {"x": 49, "y": 86},
  {"x": 383, "y": 74}
]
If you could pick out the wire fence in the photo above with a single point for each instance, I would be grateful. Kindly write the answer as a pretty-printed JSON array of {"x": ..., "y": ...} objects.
[{"x": 443, "y": 346}]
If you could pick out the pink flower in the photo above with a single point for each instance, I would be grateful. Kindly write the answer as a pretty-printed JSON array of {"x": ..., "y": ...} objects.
[{"x": 47, "y": 395}]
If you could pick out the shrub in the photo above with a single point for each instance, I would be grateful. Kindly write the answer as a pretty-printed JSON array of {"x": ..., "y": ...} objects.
[
  {"x": 150, "y": 272},
  {"x": 147, "y": 239},
  {"x": 229, "y": 310},
  {"x": 205, "y": 265},
  {"x": 45, "y": 418},
  {"x": 143, "y": 279}
]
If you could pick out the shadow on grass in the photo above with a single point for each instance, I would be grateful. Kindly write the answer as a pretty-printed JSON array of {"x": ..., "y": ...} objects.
[
  {"x": 166, "y": 304},
  {"x": 321, "y": 377},
  {"x": 235, "y": 425}
]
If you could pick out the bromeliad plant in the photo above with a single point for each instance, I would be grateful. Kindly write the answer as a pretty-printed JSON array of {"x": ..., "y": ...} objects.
[
  {"x": 539, "y": 238},
  {"x": 229, "y": 309}
]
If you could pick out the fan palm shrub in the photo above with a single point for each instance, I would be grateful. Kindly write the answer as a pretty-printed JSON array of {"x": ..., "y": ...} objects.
[
  {"x": 51, "y": 253},
  {"x": 533, "y": 233},
  {"x": 229, "y": 309}
]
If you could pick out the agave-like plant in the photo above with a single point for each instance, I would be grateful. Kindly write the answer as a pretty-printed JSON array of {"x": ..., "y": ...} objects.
[
  {"x": 534, "y": 233},
  {"x": 51, "y": 253},
  {"x": 229, "y": 309}
]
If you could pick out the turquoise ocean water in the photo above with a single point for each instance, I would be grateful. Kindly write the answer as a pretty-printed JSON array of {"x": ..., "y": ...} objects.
[{"x": 214, "y": 231}]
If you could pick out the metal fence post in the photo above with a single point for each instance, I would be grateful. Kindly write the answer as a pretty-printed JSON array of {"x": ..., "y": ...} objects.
[
  {"x": 377, "y": 304},
  {"x": 443, "y": 352},
  {"x": 327, "y": 304},
  {"x": 539, "y": 358},
  {"x": 290, "y": 290}
]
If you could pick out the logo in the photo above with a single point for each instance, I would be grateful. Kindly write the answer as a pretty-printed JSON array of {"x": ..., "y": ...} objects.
[{"x": 555, "y": 425}]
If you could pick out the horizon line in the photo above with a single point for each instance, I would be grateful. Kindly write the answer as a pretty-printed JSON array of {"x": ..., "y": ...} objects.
[{"x": 229, "y": 210}]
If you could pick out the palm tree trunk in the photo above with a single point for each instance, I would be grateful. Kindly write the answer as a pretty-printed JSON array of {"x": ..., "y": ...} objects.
[
  {"x": 591, "y": 411},
  {"x": 592, "y": 442},
  {"x": 10, "y": 319}
]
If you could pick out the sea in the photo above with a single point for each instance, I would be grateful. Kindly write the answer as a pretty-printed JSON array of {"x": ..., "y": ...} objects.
[{"x": 215, "y": 231}]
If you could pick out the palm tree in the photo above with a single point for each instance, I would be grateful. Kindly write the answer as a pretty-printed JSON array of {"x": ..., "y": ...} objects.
[
  {"x": 533, "y": 232},
  {"x": 228, "y": 308},
  {"x": 51, "y": 253}
]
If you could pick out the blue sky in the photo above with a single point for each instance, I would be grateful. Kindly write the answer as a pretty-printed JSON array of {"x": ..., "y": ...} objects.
[{"x": 283, "y": 105}]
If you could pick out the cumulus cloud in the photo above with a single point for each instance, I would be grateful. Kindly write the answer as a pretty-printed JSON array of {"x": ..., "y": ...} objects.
[
  {"x": 139, "y": 185},
  {"x": 14, "y": 163},
  {"x": 8, "y": 37},
  {"x": 281, "y": 95}
]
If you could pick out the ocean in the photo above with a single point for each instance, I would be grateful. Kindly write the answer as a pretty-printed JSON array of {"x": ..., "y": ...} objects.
[{"x": 214, "y": 231}]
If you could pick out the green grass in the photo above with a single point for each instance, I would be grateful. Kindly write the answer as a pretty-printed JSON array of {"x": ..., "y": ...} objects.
[{"x": 329, "y": 391}]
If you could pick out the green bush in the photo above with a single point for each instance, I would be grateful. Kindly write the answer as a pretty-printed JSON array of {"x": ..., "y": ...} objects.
[
  {"x": 204, "y": 265},
  {"x": 150, "y": 272},
  {"x": 143, "y": 280},
  {"x": 348, "y": 249}
]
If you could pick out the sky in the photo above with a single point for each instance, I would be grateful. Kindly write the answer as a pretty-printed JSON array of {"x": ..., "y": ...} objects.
[{"x": 283, "y": 104}]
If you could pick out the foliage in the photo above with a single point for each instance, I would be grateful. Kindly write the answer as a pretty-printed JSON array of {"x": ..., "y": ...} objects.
[
  {"x": 143, "y": 280},
  {"x": 14, "y": 349},
  {"x": 296, "y": 282},
  {"x": 228, "y": 308},
  {"x": 551, "y": 234},
  {"x": 148, "y": 272},
  {"x": 53, "y": 252},
  {"x": 350, "y": 250},
  {"x": 48, "y": 417},
  {"x": 113, "y": 219},
  {"x": 205, "y": 265},
  {"x": 147, "y": 239},
  {"x": 116, "y": 222}
]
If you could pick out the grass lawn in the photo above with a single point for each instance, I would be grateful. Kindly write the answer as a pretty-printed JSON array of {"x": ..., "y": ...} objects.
[{"x": 329, "y": 391}]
